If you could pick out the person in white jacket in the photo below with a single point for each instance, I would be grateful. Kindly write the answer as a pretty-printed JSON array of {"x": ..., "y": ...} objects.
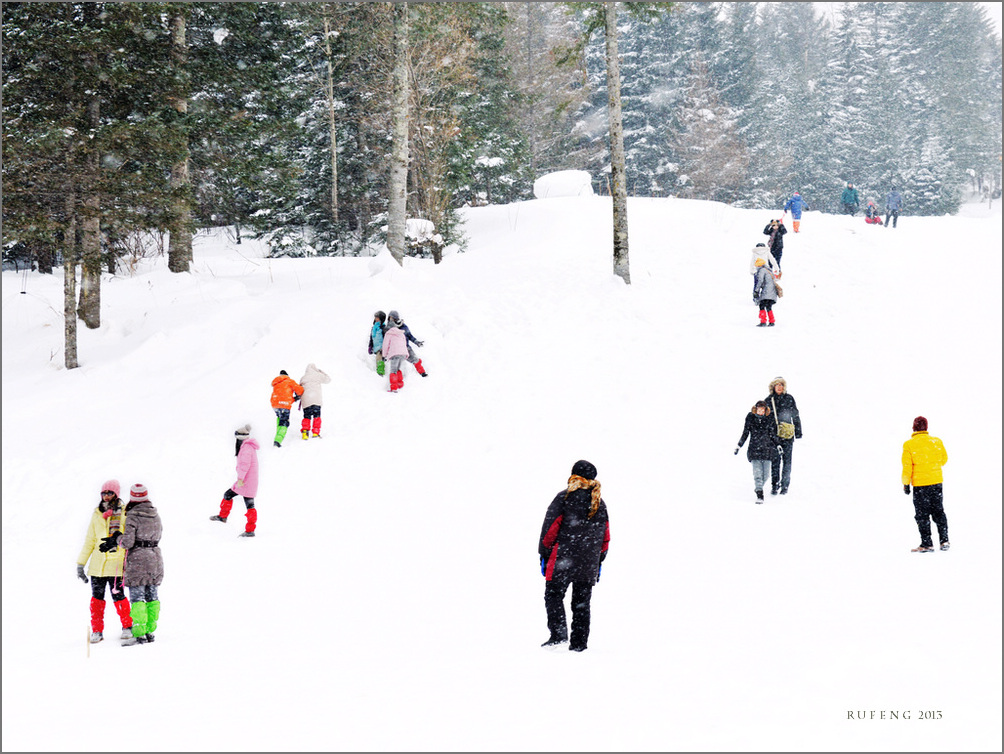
[
  {"x": 760, "y": 251},
  {"x": 310, "y": 401}
]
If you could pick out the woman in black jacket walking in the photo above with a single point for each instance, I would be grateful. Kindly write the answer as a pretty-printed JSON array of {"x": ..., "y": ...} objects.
[
  {"x": 573, "y": 543},
  {"x": 759, "y": 428}
]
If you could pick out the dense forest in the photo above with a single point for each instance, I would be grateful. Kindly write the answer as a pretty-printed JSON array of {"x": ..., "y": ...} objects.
[{"x": 277, "y": 119}]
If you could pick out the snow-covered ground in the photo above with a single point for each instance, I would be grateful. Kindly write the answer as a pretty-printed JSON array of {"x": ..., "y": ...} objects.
[{"x": 392, "y": 599}]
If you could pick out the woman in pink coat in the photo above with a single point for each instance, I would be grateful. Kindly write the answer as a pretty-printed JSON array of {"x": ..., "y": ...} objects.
[
  {"x": 395, "y": 350},
  {"x": 247, "y": 481}
]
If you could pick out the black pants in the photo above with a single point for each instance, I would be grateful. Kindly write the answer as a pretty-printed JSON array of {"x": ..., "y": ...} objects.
[
  {"x": 928, "y": 503},
  {"x": 849, "y": 209},
  {"x": 777, "y": 474},
  {"x": 554, "y": 602},
  {"x": 230, "y": 495},
  {"x": 114, "y": 586},
  {"x": 894, "y": 214}
]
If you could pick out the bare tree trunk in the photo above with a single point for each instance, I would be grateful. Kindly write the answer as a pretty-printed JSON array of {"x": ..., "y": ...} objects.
[
  {"x": 70, "y": 283},
  {"x": 179, "y": 247},
  {"x": 397, "y": 211},
  {"x": 330, "y": 93},
  {"x": 617, "y": 168},
  {"x": 89, "y": 308}
]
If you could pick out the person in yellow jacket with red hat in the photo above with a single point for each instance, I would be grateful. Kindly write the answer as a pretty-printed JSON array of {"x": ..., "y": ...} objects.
[
  {"x": 105, "y": 567},
  {"x": 923, "y": 457},
  {"x": 285, "y": 390}
]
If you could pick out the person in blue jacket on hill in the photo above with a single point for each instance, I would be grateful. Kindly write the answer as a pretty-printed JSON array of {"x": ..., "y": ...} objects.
[
  {"x": 795, "y": 205},
  {"x": 893, "y": 204}
]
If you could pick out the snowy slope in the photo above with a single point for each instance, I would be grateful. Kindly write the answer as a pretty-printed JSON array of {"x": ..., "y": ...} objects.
[{"x": 392, "y": 598}]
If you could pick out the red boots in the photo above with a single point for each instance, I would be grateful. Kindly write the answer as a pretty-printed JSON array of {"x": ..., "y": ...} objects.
[{"x": 396, "y": 381}]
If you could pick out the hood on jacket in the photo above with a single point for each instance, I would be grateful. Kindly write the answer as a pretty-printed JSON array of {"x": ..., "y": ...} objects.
[{"x": 777, "y": 381}]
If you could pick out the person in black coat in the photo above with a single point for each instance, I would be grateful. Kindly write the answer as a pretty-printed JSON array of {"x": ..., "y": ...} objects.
[
  {"x": 573, "y": 543},
  {"x": 776, "y": 230},
  {"x": 785, "y": 411},
  {"x": 759, "y": 428}
]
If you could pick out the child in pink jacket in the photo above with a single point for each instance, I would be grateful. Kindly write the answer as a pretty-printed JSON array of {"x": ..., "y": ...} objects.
[
  {"x": 395, "y": 350},
  {"x": 247, "y": 481}
]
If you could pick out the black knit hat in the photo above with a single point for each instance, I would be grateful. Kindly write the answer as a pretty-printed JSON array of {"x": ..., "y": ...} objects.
[{"x": 584, "y": 469}]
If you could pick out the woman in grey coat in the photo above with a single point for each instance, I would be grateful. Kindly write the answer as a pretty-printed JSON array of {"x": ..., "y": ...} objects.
[
  {"x": 765, "y": 293},
  {"x": 144, "y": 564}
]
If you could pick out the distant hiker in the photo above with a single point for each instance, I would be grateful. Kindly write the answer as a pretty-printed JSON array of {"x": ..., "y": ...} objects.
[
  {"x": 376, "y": 340},
  {"x": 795, "y": 205},
  {"x": 311, "y": 382},
  {"x": 760, "y": 251},
  {"x": 284, "y": 391},
  {"x": 247, "y": 481},
  {"x": 775, "y": 230},
  {"x": 893, "y": 204},
  {"x": 789, "y": 428},
  {"x": 396, "y": 348},
  {"x": 144, "y": 565},
  {"x": 759, "y": 428},
  {"x": 923, "y": 457},
  {"x": 573, "y": 544},
  {"x": 849, "y": 200},
  {"x": 765, "y": 293},
  {"x": 872, "y": 214},
  {"x": 105, "y": 567}
]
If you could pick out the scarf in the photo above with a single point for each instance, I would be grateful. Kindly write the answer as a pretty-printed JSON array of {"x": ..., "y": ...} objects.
[
  {"x": 113, "y": 514},
  {"x": 576, "y": 482}
]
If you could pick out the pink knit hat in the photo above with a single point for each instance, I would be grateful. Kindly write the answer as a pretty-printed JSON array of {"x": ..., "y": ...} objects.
[{"x": 112, "y": 485}]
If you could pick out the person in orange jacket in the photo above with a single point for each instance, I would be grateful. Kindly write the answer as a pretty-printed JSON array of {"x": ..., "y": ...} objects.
[
  {"x": 285, "y": 390},
  {"x": 923, "y": 457}
]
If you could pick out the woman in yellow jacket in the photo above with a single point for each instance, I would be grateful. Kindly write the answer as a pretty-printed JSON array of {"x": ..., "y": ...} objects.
[
  {"x": 923, "y": 457},
  {"x": 105, "y": 567}
]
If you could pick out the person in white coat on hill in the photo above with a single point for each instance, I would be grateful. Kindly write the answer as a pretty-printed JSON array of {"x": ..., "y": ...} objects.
[{"x": 311, "y": 382}]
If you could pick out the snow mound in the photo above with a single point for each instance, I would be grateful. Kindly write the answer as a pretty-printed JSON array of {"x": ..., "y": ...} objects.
[{"x": 563, "y": 183}]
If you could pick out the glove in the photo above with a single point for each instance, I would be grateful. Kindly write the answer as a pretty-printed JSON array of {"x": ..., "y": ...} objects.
[
  {"x": 906, "y": 489},
  {"x": 109, "y": 543},
  {"x": 599, "y": 573},
  {"x": 419, "y": 343},
  {"x": 240, "y": 483},
  {"x": 80, "y": 574},
  {"x": 736, "y": 451},
  {"x": 543, "y": 566}
]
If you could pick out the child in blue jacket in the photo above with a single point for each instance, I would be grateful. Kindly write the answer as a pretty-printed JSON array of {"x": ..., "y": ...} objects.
[
  {"x": 376, "y": 340},
  {"x": 795, "y": 205}
]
